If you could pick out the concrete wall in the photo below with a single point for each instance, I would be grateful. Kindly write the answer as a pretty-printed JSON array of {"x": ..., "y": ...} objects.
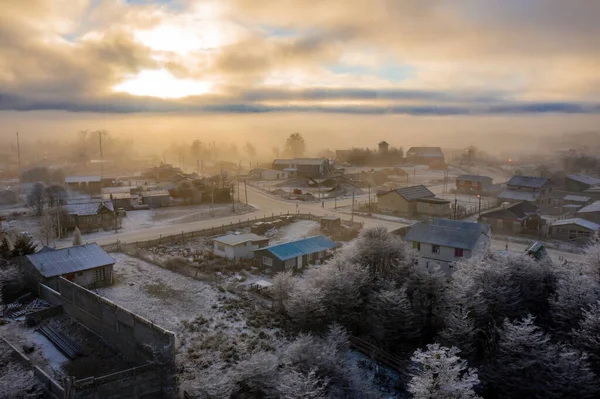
[
  {"x": 426, "y": 208},
  {"x": 138, "y": 339}
]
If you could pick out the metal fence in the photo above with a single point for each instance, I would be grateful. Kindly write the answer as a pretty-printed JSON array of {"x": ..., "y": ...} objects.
[{"x": 217, "y": 230}]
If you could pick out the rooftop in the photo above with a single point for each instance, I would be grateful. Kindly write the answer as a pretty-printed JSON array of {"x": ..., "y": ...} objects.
[
  {"x": 595, "y": 207},
  {"x": 434, "y": 200},
  {"x": 237, "y": 239},
  {"x": 448, "y": 233},
  {"x": 305, "y": 246},
  {"x": 584, "y": 179},
  {"x": 82, "y": 179},
  {"x": 300, "y": 161},
  {"x": 528, "y": 181},
  {"x": 425, "y": 151},
  {"x": 579, "y": 222},
  {"x": 413, "y": 192},
  {"x": 474, "y": 178},
  {"x": 517, "y": 211},
  {"x": 156, "y": 193},
  {"x": 516, "y": 195},
  {"x": 69, "y": 260},
  {"x": 576, "y": 198},
  {"x": 88, "y": 208}
]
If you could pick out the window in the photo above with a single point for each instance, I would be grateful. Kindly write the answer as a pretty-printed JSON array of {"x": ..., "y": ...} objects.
[
  {"x": 458, "y": 252},
  {"x": 435, "y": 249},
  {"x": 417, "y": 245},
  {"x": 267, "y": 261},
  {"x": 99, "y": 274},
  {"x": 80, "y": 273}
]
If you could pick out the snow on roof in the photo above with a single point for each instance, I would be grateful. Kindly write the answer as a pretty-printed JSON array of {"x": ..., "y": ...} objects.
[
  {"x": 236, "y": 239},
  {"x": 300, "y": 161},
  {"x": 412, "y": 193},
  {"x": 527, "y": 181},
  {"x": 448, "y": 233},
  {"x": 425, "y": 151},
  {"x": 518, "y": 210},
  {"x": 474, "y": 178},
  {"x": 518, "y": 195},
  {"x": 584, "y": 179},
  {"x": 595, "y": 207},
  {"x": 87, "y": 208},
  {"x": 305, "y": 246},
  {"x": 70, "y": 260},
  {"x": 579, "y": 222},
  {"x": 576, "y": 198},
  {"x": 156, "y": 193},
  {"x": 82, "y": 179}
]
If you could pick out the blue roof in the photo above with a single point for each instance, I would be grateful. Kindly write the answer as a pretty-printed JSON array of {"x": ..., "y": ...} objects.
[
  {"x": 70, "y": 260},
  {"x": 305, "y": 246}
]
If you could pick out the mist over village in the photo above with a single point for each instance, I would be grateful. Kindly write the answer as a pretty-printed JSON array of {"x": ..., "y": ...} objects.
[{"x": 299, "y": 199}]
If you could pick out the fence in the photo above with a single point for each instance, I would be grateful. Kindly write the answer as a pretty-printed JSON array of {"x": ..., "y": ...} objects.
[{"x": 217, "y": 230}]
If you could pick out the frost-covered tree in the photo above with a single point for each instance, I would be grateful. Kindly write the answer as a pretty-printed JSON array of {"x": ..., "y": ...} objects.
[
  {"x": 592, "y": 261},
  {"x": 587, "y": 336},
  {"x": 306, "y": 305},
  {"x": 282, "y": 286},
  {"x": 77, "y": 237},
  {"x": 426, "y": 290},
  {"x": 5, "y": 249},
  {"x": 48, "y": 227},
  {"x": 441, "y": 374},
  {"x": 460, "y": 331},
  {"x": 527, "y": 364},
  {"x": 36, "y": 199}
]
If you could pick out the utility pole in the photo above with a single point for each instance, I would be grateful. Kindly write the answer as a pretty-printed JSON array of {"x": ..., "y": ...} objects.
[
  {"x": 352, "y": 217},
  {"x": 212, "y": 199},
  {"x": 414, "y": 175},
  {"x": 455, "y": 207},
  {"x": 233, "y": 198},
  {"x": 369, "y": 198},
  {"x": 246, "y": 191},
  {"x": 238, "y": 184},
  {"x": 115, "y": 212},
  {"x": 19, "y": 154},
  {"x": 479, "y": 197}
]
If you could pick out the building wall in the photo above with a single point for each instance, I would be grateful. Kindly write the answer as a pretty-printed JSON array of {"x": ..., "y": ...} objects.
[
  {"x": 503, "y": 225},
  {"x": 574, "y": 185},
  {"x": 570, "y": 232},
  {"x": 241, "y": 251},
  {"x": 425, "y": 208},
  {"x": 446, "y": 255},
  {"x": 92, "y": 278},
  {"x": 157, "y": 201},
  {"x": 591, "y": 216},
  {"x": 274, "y": 175},
  {"x": 477, "y": 186},
  {"x": 138, "y": 339},
  {"x": 394, "y": 202},
  {"x": 294, "y": 264}
]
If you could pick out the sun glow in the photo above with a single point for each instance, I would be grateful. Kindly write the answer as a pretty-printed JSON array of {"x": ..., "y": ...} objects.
[{"x": 161, "y": 83}]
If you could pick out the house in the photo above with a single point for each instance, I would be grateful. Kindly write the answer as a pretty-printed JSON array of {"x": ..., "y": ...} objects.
[
  {"x": 238, "y": 246},
  {"x": 575, "y": 229},
  {"x": 86, "y": 265},
  {"x": 473, "y": 184},
  {"x": 527, "y": 188},
  {"x": 8, "y": 197},
  {"x": 414, "y": 199},
  {"x": 518, "y": 217},
  {"x": 311, "y": 167},
  {"x": 125, "y": 201},
  {"x": 444, "y": 241},
  {"x": 331, "y": 223},
  {"x": 156, "y": 198},
  {"x": 84, "y": 184},
  {"x": 294, "y": 255},
  {"x": 579, "y": 182},
  {"x": 89, "y": 216},
  {"x": 590, "y": 212},
  {"x": 383, "y": 147},
  {"x": 272, "y": 174},
  {"x": 424, "y": 155}
]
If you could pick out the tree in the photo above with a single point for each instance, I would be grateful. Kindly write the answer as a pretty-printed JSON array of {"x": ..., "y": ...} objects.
[
  {"x": 5, "y": 250},
  {"x": 77, "y": 237},
  {"x": 250, "y": 150},
  {"x": 587, "y": 337},
  {"x": 23, "y": 245},
  {"x": 282, "y": 286},
  {"x": 56, "y": 195},
  {"x": 48, "y": 227},
  {"x": 36, "y": 198},
  {"x": 441, "y": 374},
  {"x": 295, "y": 145}
]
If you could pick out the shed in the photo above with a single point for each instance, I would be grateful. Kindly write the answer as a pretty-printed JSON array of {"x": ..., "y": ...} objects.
[
  {"x": 518, "y": 217},
  {"x": 403, "y": 200},
  {"x": 87, "y": 184},
  {"x": 330, "y": 223},
  {"x": 89, "y": 215},
  {"x": 575, "y": 229},
  {"x": 294, "y": 255},
  {"x": 580, "y": 182},
  {"x": 433, "y": 206},
  {"x": 238, "y": 246},
  {"x": 86, "y": 265},
  {"x": 125, "y": 201},
  {"x": 473, "y": 183},
  {"x": 156, "y": 199}
]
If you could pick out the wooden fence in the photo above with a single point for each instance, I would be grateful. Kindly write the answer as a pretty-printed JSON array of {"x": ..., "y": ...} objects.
[{"x": 218, "y": 230}]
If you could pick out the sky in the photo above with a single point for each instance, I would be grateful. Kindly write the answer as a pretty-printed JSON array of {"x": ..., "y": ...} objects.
[{"x": 463, "y": 62}]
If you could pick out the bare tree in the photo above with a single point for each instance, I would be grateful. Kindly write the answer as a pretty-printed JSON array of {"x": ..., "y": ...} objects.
[
  {"x": 48, "y": 227},
  {"x": 36, "y": 199}
]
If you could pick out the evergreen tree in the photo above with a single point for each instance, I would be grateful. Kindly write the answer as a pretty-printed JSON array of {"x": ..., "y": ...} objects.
[
  {"x": 5, "y": 250},
  {"x": 76, "y": 237},
  {"x": 441, "y": 374},
  {"x": 24, "y": 245}
]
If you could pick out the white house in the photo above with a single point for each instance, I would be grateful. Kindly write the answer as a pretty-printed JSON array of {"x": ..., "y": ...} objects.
[
  {"x": 271, "y": 174},
  {"x": 238, "y": 246},
  {"x": 444, "y": 241}
]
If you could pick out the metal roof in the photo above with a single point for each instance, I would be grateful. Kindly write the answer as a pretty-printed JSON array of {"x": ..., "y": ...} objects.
[
  {"x": 528, "y": 181},
  {"x": 579, "y": 222},
  {"x": 576, "y": 198},
  {"x": 237, "y": 239},
  {"x": 119, "y": 196},
  {"x": 517, "y": 211},
  {"x": 434, "y": 200},
  {"x": 413, "y": 192},
  {"x": 70, "y": 260},
  {"x": 474, "y": 178},
  {"x": 300, "y": 161},
  {"x": 448, "y": 233},
  {"x": 595, "y": 207},
  {"x": 157, "y": 193},
  {"x": 82, "y": 179},
  {"x": 584, "y": 179},
  {"x": 309, "y": 245},
  {"x": 518, "y": 195},
  {"x": 87, "y": 208}
]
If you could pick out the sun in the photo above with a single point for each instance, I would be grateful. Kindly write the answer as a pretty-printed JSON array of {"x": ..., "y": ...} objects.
[{"x": 161, "y": 83}]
